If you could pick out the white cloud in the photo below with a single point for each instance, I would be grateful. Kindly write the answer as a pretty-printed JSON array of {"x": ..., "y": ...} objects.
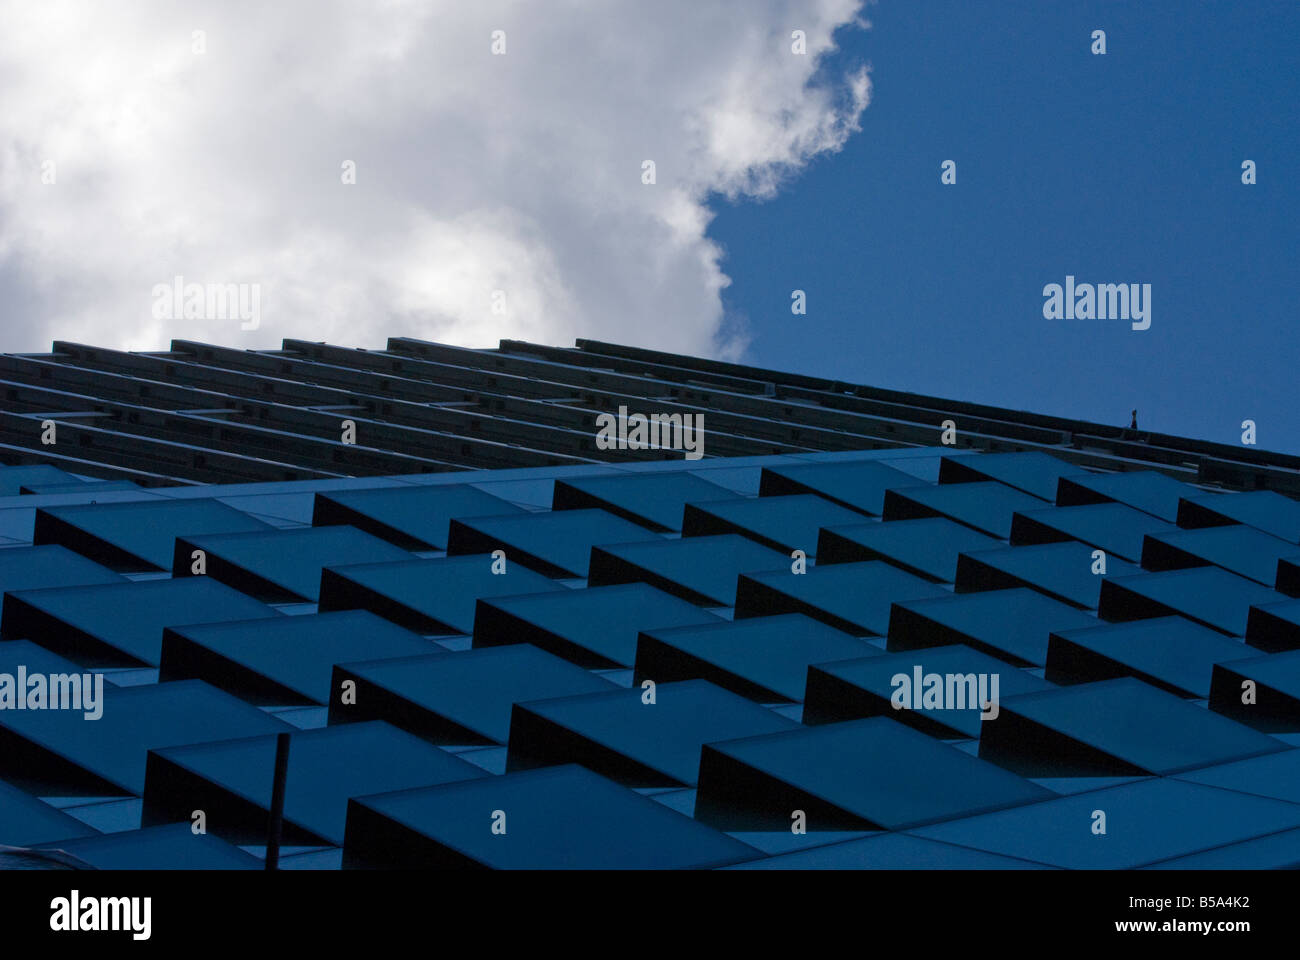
[{"x": 475, "y": 172}]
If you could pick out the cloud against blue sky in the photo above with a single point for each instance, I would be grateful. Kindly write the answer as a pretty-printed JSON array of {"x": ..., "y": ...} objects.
[{"x": 496, "y": 194}]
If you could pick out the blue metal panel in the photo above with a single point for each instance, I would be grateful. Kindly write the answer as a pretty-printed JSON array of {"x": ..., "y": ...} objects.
[
  {"x": 1070, "y": 572},
  {"x": 1208, "y": 595},
  {"x": 1011, "y": 625},
  {"x": 137, "y": 536},
  {"x": 987, "y": 507},
  {"x": 458, "y": 698},
  {"x": 72, "y": 754},
  {"x": 1168, "y": 652},
  {"x": 855, "y": 597},
  {"x": 656, "y": 500},
  {"x": 285, "y": 660},
  {"x": 555, "y": 818},
  {"x": 927, "y": 548},
  {"x": 1145, "y": 823},
  {"x": 1145, "y": 490},
  {"x": 173, "y": 846},
  {"x": 783, "y": 523},
  {"x": 703, "y": 570},
  {"x": 1114, "y": 728},
  {"x": 412, "y": 517},
  {"x": 282, "y": 565},
  {"x": 764, "y": 658},
  {"x": 874, "y": 773},
  {"x": 596, "y": 627},
  {"x": 121, "y": 624},
  {"x": 428, "y": 596},
  {"x": 853, "y": 689},
  {"x": 231, "y": 780},
  {"x": 1033, "y": 472},
  {"x": 556, "y": 544},
  {"x": 859, "y": 484},
  {"x": 1113, "y": 527},
  {"x": 633, "y": 738}
]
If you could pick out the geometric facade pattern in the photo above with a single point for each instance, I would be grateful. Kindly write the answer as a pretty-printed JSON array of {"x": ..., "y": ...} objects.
[{"x": 833, "y": 641}]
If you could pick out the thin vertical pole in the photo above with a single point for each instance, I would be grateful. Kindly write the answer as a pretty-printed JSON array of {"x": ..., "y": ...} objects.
[{"x": 277, "y": 801}]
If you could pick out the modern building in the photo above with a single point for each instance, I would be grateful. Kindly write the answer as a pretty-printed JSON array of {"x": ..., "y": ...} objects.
[{"x": 606, "y": 607}]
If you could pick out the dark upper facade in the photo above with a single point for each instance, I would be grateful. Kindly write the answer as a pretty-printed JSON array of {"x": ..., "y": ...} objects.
[{"x": 210, "y": 414}]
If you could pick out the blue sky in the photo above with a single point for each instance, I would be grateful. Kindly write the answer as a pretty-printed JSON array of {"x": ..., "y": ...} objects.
[
  {"x": 1122, "y": 168},
  {"x": 500, "y": 194}
]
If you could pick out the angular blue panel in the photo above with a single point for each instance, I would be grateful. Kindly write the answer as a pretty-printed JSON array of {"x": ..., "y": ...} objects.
[
  {"x": 987, "y": 506},
  {"x": 13, "y": 479},
  {"x": 655, "y": 500},
  {"x": 860, "y": 484},
  {"x": 594, "y": 628},
  {"x": 853, "y": 689},
  {"x": 889, "y": 851},
  {"x": 1033, "y": 472},
  {"x": 702, "y": 570},
  {"x": 927, "y": 548},
  {"x": 1276, "y": 775},
  {"x": 31, "y": 568},
  {"x": 638, "y": 744},
  {"x": 1288, "y": 576},
  {"x": 764, "y": 659},
  {"x": 78, "y": 486},
  {"x": 1145, "y": 490},
  {"x": 854, "y": 597},
  {"x": 1167, "y": 652},
  {"x": 414, "y": 518},
  {"x": 1010, "y": 625},
  {"x": 1208, "y": 595},
  {"x": 277, "y": 509},
  {"x": 231, "y": 781},
  {"x": 1117, "y": 727},
  {"x": 458, "y": 698},
  {"x": 891, "y": 455},
  {"x": 1276, "y": 693},
  {"x": 923, "y": 468},
  {"x": 1261, "y": 509},
  {"x": 739, "y": 480},
  {"x": 137, "y": 536},
  {"x": 33, "y": 659},
  {"x": 1239, "y": 549},
  {"x": 1060, "y": 570},
  {"x": 285, "y": 660},
  {"x": 782, "y": 523},
  {"x": 121, "y": 624},
  {"x": 26, "y": 821},
  {"x": 1147, "y": 822},
  {"x": 555, "y": 544},
  {"x": 282, "y": 565},
  {"x": 875, "y": 773},
  {"x": 531, "y": 494},
  {"x": 64, "y": 749},
  {"x": 1113, "y": 527},
  {"x": 1277, "y": 851},
  {"x": 174, "y": 846},
  {"x": 288, "y": 488},
  {"x": 427, "y": 596},
  {"x": 556, "y": 818},
  {"x": 1274, "y": 627}
]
